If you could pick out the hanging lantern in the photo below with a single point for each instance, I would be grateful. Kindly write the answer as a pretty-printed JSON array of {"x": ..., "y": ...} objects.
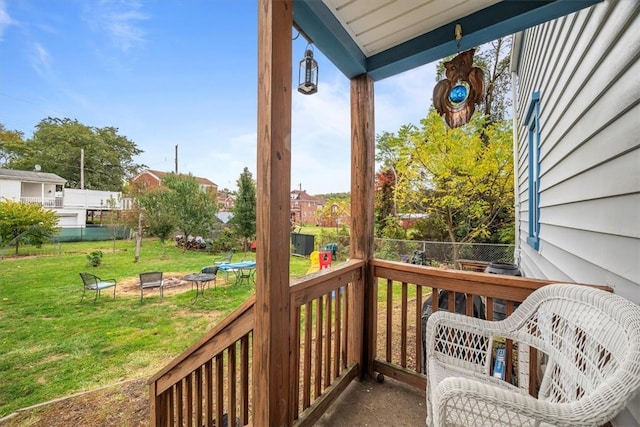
[{"x": 308, "y": 74}]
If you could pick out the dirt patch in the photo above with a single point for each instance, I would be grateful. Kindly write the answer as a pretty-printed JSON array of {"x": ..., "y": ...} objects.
[
  {"x": 173, "y": 284},
  {"x": 124, "y": 404}
]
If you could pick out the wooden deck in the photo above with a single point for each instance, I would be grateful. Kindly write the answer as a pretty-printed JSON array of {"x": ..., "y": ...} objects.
[{"x": 370, "y": 403}]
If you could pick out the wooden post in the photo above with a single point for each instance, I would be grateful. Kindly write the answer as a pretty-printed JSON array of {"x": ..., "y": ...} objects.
[
  {"x": 362, "y": 200},
  {"x": 271, "y": 332}
]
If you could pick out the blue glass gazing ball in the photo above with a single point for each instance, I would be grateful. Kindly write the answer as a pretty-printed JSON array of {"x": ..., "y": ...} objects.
[{"x": 458, "y": 93}]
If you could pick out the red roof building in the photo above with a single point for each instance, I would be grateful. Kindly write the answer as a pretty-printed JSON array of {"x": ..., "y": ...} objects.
[{"x": 153, "y": 178}]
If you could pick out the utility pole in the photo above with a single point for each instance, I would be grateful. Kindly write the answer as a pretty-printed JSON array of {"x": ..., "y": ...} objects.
[
  {"x": 176, "y": 159},
  {"x": 82, "y": 168}
]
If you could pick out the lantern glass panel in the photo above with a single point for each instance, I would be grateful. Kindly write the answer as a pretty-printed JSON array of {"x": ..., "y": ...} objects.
[{"x": 308, "y": 75}]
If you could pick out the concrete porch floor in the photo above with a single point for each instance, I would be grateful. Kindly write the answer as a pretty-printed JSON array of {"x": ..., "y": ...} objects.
[{"x": 369, "y": 403}]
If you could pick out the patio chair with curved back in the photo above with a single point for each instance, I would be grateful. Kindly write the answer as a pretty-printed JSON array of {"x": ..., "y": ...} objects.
[
  {"x": 590, "y": 339},
  {"x": 226, "y": 259},
  {"x": 210, "y": 269},
  {"x": 151, "y": 280},
  {"x": 94, "y": 283}
]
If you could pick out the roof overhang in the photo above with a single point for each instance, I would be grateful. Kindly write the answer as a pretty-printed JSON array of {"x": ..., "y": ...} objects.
[{"x": 386, "y": 37}]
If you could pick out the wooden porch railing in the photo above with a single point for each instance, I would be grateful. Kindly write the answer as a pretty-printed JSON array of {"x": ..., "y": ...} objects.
[
  {"x": 195, "y": 389},
  {"x": 191, "y": 390},
  {"x": 402, "y": 288},
  {"x": 325, "y": 335},
  {"x": 326, "y": 342}
]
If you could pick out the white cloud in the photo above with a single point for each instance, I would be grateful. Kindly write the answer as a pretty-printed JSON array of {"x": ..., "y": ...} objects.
[
  {"x": 120, "y": 19},
  {"x": 321, "y": 138},
  {"x": 5, "y": 19},
  {"x": 41, "y": 60},
  {"x": 404, "y": 99}
]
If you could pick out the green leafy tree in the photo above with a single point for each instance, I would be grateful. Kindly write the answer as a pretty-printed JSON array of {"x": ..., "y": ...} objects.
[
  {"x": 469, "y": 180},
  {"x": 56, "y": 146},
  {"x": 194, "y": 210},
  {"x": 11, "y": 145},
  {"x": 244, "y": 210},
  {"x": 157, "y": 213},
  {"x": 22, "y": 222}
]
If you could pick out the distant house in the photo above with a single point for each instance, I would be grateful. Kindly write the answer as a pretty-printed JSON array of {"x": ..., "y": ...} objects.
[
  {"x": 226, "y": 201},
  {"x": 75, "y": 208},
  {"x": 153, "y": 178},
  {"x": 304, "y": 207},
  {"x": 408, "y": 220}
]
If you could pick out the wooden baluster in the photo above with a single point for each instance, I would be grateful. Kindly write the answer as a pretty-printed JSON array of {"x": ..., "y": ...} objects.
[
  {"x": 179, "y": 396},
  {"x": 244, "y": 380},
  {"x": 345, "y": 343},
  {"x": 338, "y": 333},
  {"x": 327, "y": 342},
  {"x": 219, "y": 388},
  {"x": 509, "y": 349},
  {"x": 208, "y": 375},
  {"x": 419, "y": 331},
  {"x": 403, "y": 326},
  {"x": 231, "y": 380},
  {"x": 318, "y": 358},
  {"x": 294, "y": 389},
  {"x": 389, "y": 342},
  {"x": 308, "y": 340},
  {"x": 189, "y": 400}
]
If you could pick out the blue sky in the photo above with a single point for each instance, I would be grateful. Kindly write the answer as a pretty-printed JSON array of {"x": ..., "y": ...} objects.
[{"x": 181, "y": 72}]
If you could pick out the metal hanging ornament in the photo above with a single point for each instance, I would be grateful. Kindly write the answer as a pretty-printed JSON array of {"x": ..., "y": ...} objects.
[{"x": 455, "y": 97}]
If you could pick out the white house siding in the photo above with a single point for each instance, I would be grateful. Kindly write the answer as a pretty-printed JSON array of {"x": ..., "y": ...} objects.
[
  {"x": 91, "y": 199},
  {"x": 586, "y": 70},
  {"x": 71, "y": 218},
  {"x": 10, "y": 189}
]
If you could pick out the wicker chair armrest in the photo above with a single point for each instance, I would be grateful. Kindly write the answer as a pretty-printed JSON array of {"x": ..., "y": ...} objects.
[{"x": 468, "y": 402}]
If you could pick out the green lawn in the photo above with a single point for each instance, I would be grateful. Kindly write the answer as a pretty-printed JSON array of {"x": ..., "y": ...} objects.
[{"x": 52, "y": 344}]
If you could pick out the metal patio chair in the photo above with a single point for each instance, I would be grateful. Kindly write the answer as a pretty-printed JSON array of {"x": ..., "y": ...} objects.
[
  {"x": 94, "y": 283},
  {"x": 151, "y": 280},
  {"x": 210, "y": 269}
]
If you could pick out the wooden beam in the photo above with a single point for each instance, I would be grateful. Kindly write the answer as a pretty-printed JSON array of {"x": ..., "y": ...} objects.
[
  {"x": 271, "y": 371},
  {"x": 362, "y": 191}
]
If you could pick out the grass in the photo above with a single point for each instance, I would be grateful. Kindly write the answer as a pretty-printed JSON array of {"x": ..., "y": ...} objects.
[{"x": 52, "y": 344}]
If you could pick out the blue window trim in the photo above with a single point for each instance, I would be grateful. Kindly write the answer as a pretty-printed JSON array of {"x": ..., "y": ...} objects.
[{"x": 532, "y": 122}]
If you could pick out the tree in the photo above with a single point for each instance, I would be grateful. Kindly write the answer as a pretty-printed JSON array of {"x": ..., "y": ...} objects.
[
  {"x": 469, "y": 180},
  {"x": 157, "y": 214},
  {"x": 192, "y": 209},
  {"x": 11, "y": 145},
  {"x": 244, "y": 210},
  {"x": 393, "y": 185},
  {"x": 57, "y": 144},
  {"x": 25, "y": 222}
]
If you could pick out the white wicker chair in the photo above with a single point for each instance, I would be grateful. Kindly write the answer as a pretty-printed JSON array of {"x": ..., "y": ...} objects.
[{"x": 591, "y": 339}]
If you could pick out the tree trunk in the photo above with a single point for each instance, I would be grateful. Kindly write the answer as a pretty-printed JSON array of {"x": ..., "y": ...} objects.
[{"x": 138, "y": 238}]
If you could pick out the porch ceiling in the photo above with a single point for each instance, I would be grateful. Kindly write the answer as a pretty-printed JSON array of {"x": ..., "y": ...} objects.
[{"x": 386, "y": 37}]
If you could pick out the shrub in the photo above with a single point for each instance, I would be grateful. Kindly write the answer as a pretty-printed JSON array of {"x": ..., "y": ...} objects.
[{"x": 95, "y": 258}]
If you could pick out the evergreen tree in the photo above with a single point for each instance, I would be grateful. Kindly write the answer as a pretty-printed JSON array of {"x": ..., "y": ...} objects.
[{"x": 244, "y": 210}]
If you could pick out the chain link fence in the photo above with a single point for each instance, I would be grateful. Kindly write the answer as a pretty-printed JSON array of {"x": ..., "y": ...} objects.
[
  {"x": 82, "y": 234},
  {"x": 437, "y": 253}
]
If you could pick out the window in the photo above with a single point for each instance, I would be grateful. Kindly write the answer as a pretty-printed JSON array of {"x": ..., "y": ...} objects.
[{"x": 532, "y": 121}]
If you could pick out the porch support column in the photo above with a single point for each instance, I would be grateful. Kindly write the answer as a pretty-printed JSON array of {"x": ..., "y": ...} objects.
[
  {"x": 362, "y": 200},
  {"x": 271, "y": 331}
]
